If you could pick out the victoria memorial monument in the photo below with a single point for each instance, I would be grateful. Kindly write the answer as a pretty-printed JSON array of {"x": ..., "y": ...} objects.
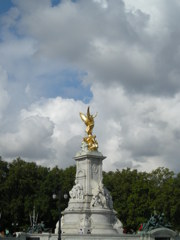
[{"x": 90, "y": 209}]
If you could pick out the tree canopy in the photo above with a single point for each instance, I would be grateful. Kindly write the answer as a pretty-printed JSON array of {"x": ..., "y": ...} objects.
[
  {"x": 24, "y": 185},
  {"x": 136, "y": 195}
]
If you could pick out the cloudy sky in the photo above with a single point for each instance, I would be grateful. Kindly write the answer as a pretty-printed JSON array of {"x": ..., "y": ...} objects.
[{"x": 120, "y": 57}]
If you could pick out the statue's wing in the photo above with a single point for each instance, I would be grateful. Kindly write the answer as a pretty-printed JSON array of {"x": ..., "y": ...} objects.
[
  {"x": 95, "y": 115},
  {"x": 88, "y": 112},
  {"x": 83, "y": 117}
]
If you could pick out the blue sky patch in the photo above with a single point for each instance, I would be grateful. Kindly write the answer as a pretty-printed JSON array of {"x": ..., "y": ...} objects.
[
  {"x": 5, "y": 5},
  {"x": 55, "y": 2},
  {"x": 67, "y": 84}
]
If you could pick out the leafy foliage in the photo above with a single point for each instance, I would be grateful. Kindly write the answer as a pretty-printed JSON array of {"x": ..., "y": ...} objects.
[
  {"x": 24, "y": 185},
  {"x": 135, "y": 194}
]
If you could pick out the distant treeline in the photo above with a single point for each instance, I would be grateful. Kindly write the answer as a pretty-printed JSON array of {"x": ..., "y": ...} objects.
[{"x": 136, "y": 195}]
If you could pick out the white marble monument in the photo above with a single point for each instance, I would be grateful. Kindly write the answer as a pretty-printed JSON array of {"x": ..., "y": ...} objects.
[{"x": 90, "y": 208}]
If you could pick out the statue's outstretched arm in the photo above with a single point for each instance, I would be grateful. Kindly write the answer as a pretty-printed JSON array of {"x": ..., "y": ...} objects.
[{"x": 83, "y": 117}]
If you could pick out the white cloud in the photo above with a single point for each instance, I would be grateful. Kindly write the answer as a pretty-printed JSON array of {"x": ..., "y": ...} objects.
[
  {"x": 130, "y": 53},
  {"x": 4, "y": 96},
  {"x": 65, "y": 140},
  {"x": 137, "y": 131},
  {"x": 112, "y": 43},
  {"x": 32, "y": 139}
]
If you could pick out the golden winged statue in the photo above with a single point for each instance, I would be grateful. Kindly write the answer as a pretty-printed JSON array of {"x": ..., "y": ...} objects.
[{"x": 89, "y": 122}]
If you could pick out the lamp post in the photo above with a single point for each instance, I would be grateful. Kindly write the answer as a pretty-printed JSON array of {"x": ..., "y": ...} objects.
[
  {"x": 14, "y": 227},
  {"x": 0, "y": 222},
  {"x": 59, "y": 210}
]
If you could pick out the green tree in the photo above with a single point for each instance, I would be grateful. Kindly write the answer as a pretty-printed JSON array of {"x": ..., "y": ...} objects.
[
  {"x": 4, "y": 171},
  {"x": 129, "y": 190},
  {"x": 175, "y": 203},
  {"x": 22, "y": 188},
  {"x": 137, "y": 194},
  {"x": 24, "y": 185},
  {"x": 162, "y": 191}
]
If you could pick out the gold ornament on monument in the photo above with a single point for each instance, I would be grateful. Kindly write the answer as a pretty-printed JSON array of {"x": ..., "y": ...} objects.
[{"x": 90, "y": 140}]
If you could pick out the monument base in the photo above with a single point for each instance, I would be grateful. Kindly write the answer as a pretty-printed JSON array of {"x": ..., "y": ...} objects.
[
  {"x": 157, "y": 234},
  {"x": 90, "y": 207},
  {"x": 99, "y": 221}
]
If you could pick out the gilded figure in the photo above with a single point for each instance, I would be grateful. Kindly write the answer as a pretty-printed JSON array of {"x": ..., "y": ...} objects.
[{"x": 89, "y": 122}]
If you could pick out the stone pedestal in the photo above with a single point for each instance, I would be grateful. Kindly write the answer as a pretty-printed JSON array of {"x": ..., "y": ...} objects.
[{"x": 90, "y": 208}]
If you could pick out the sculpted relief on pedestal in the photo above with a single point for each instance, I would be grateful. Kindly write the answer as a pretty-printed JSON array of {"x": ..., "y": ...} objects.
[
  {"x": 77, "y": 191},
  {"x": 102, "y": 198}
]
